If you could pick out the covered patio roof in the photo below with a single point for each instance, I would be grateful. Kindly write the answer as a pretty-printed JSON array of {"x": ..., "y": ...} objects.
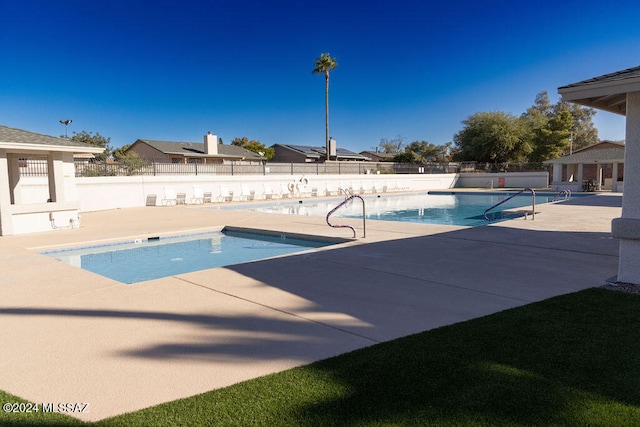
[
  {"x": 607, "y": 92},
  {"x": 602, "y": 155}
]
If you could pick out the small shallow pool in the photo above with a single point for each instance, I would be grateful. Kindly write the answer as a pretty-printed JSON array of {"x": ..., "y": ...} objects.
[{"x": 153, "y": 258}]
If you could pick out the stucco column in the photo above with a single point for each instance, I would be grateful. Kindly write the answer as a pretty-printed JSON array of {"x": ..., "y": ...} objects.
[
  {"x": 56, "y": 177},
  {"x": 557, "y": 173},
  {"x": 627, "y": 228},
  {"x": 580, "y": 174},
  {"x": 6, "y": 219},
  {"x": 614, "y": 177}
]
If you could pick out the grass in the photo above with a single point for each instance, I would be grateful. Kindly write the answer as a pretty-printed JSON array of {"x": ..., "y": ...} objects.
[{"x": 569, "y": 360}]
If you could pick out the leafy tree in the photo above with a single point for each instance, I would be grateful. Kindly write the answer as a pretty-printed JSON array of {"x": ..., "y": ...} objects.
[
  {"x": 552, "y": 127},
  {"x": 426, "y": 151},
  {"x": 492, "y": 137},
  {"x": 255, "y": 146},
  {"x": 583, "y": 132},
  {"x": 323, "y": 65},
  {"x": 120, "y": 152},
  {"x": 550, "y": 141},
  {"x": 393, "y": 145},
  {"x": 406, "y": 157},
  {"x": 97, "y": 140},
  {"x": 132, "y": 162}
]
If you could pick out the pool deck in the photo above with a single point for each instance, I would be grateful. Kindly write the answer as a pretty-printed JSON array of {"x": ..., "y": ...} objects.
[{"x": 70, "y": 336}]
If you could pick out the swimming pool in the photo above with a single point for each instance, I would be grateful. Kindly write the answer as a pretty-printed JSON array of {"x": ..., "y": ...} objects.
[
  {"x": 153, "y": 258},
  {"x": 434, "y": 207}
]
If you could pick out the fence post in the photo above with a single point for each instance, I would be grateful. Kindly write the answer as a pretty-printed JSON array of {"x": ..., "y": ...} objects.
[
  {"x": 291, "y": 168},
  {"x": 196, "y": 167},
  {"x": 232, "y": 162}
]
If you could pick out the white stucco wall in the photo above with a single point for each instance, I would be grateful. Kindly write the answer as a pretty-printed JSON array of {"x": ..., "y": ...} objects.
[
  {"x": 511, "y": 180},
  {"x": 103, "y": 193}
]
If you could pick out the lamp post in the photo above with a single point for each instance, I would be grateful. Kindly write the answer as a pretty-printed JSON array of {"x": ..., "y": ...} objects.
[{"x": 66, "y": 126}]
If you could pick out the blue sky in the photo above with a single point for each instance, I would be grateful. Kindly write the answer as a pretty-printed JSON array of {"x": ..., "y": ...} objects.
[{"x": 170, "y": 70}]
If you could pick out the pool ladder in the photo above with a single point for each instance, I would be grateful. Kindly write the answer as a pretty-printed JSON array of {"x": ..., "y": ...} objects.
[
  {"x": 533, "y": 203},
  {"x": 566, "y": 193},
  {"x": 350, "y": 196}
]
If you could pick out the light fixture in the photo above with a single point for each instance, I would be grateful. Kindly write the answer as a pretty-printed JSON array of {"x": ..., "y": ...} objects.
[{"x": 66, "y": 126}]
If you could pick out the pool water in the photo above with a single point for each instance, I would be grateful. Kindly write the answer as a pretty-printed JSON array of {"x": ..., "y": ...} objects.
[
  {"x": 435, "y": 207},
  {"x": 133, "y": 262}
]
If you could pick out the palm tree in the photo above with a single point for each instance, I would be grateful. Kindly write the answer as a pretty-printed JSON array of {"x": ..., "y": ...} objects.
[{"x": 324, "y": 64}]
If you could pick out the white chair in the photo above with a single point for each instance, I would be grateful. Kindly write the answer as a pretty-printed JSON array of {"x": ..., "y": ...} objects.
[
  {"x": 225, "y": 194},
  {"x": 285, "y": 191},
  {"x": 198, "y": 195},
  {"x": 366, "y": 187},
  {"x": 268, "y": 192},
  {"x": 246, "y": 194},
  {"x": 170, "y": 196},
  {"x": 331, "y": 189}
]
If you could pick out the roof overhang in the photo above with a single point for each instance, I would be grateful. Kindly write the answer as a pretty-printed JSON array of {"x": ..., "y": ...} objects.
[
  {"x": 26, "y": 147},
  {"x": 607, "y": 92}
]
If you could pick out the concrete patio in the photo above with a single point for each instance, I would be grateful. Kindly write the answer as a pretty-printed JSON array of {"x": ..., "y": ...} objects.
[{"x": 73, "y": 336}]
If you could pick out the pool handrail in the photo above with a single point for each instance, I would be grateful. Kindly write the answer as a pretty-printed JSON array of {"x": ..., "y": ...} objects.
[
  {"x": 533, "y": 203},
  {"x": 350, "y": 196},
  {"x": 566, "y": 193}
]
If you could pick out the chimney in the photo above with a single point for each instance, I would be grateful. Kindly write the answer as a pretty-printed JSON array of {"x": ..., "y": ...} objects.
[
  {"x": 210, "y": 143},
  {"x": 332, "y": 148}
]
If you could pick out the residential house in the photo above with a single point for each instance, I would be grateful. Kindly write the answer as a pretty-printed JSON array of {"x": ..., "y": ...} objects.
[
  {"x": 378, "y": 156},
  {"x": 192, "y": 152},
  {"x": 289, "y": 153}
]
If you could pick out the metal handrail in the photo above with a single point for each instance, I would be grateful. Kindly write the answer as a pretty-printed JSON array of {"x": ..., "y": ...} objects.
[
  {"x": 533, "y": 203},
  {"x": 350, "y": 197},
  {"x": 566, "y": 193}
]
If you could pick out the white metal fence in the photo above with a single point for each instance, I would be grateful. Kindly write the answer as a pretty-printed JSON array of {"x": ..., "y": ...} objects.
[{"x": 38, "y": 167}]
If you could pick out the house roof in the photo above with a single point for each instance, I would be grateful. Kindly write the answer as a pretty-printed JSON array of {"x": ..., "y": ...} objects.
[
  {"x": 195, "y": 149},
  {"x": 607, "y": 92},
  {"x": 380, "y": 154},
  {"x": 596, "y": 155},
  {"x": 317, "y": 152},
  {"x": 11, "y": 138},
  {"x": 606, "y": 143}
]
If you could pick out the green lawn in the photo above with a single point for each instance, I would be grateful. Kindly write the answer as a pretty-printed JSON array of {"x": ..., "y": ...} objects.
[{"x": 570, "y": 360}]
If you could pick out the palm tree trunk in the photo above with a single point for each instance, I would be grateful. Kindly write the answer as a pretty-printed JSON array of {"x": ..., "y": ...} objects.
[{"x": 326, "y": 103}]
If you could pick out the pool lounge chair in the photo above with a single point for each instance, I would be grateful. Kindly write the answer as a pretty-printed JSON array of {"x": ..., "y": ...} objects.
[
  {"x": 170, "y": 197},
  {"x": 246, "y": 193},
  {"x": 366, "y": 187},
  {"x": 181, "y": 199},
  {"x": 206, "y": 197},
  {"x": 225, "y": 194},
  {"x": 331, "y": 189},
  {"x": 198, "y": 195},
  {"x": 268, "y": 192},
  {"x": 284, "y": 191}
]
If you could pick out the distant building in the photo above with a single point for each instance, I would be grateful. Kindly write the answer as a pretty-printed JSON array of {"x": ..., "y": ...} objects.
[
  {"x": 192, "y": 152},
  {"x": 599, "y": 166},
  {"x": 29, "y": 203},
  {"x": 376, "y": 156},
  {"x": 289, "y": 153}
]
